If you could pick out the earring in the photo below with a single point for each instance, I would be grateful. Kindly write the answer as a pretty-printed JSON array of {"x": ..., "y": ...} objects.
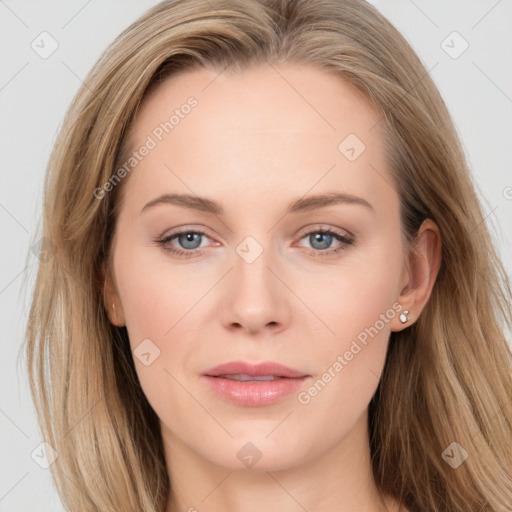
[{"x": 403, "y": 317}]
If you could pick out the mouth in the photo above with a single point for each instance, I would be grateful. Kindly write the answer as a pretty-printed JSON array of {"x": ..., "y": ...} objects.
[
  {"x": 251, "y": 385},
  {"x": 242, "y": 370}
]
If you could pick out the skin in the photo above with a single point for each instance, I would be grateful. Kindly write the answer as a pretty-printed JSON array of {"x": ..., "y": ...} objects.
[{"x": 255, "y": 145}]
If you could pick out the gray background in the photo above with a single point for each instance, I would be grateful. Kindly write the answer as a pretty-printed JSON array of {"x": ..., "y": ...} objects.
[{"x": 35, "y": 92}]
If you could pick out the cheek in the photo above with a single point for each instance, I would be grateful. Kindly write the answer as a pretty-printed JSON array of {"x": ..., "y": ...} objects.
[
  {"x": 162, "y": 306},
  {"x": 155, "y": 293},
  {"x": 348, "y": 368},
  {"x": 353, "y": 295},
  {"x": 357, "y": 304}
]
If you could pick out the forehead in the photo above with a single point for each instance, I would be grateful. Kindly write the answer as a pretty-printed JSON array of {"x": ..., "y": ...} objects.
[
  {"x": 264, "y": 98},
  {"x": 257, "y": 130}
]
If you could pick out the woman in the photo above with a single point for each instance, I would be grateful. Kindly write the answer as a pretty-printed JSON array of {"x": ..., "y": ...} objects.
[{"x": 272, "y": 287}]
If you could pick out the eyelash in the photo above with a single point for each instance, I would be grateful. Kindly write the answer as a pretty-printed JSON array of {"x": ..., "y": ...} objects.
[{"x": 346, "y": 240}]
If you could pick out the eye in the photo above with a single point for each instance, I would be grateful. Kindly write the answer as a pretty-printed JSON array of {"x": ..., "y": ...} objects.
[
  {"x": 321, "y": 239},
  {"x": 188, "y": 242}
]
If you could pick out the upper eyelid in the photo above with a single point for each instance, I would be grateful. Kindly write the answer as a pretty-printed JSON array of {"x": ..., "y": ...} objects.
[
  {"x": 315, "y": 227},
  {"x": 182, "y": 231},
  {"x": 325, "y": 227}
]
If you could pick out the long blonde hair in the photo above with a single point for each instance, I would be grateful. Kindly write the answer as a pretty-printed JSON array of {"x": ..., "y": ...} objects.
[{"x": 447, "y": 378}]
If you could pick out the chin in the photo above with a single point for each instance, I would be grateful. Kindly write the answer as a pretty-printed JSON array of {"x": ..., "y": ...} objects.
[{"x": 256, "y": 454}]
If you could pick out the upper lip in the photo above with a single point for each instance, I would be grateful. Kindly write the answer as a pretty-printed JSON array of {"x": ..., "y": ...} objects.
[{"x": 254, "y": 370}]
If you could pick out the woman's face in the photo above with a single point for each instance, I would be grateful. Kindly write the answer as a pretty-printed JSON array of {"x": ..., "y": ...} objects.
[{"x": 255, "y": 280}]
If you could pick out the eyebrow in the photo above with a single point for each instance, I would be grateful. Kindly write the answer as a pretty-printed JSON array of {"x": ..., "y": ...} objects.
[{"x": 300, "y": 205}]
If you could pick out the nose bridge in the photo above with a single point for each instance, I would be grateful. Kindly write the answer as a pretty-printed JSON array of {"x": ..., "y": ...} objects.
[
  {"x": 252, "y": 267},
  {"x": 254, "y": 279},
  {"x": 256, "y": 297}
]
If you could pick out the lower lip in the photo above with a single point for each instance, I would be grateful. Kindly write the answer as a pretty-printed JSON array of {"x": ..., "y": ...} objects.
[{"x": 254, "y": 393}]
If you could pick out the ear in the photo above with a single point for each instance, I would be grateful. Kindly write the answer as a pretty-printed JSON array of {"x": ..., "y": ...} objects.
[
  {"x": 111, "y": 297},
  {"x": 420, "y": 273}
]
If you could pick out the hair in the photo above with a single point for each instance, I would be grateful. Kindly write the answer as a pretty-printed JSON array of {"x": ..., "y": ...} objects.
[{"x": 447, "y": 378}]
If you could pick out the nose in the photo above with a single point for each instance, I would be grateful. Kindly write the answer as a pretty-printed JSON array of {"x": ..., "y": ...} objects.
[{"x": 255, "y": 298}]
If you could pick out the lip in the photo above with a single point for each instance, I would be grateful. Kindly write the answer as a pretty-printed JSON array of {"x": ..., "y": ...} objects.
[
  {"x": 254, "y": 393},
  {"x": 254, "y": 370}
]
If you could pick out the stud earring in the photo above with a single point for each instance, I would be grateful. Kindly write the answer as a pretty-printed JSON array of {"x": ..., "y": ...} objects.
[{"x": 403, "y": 317}]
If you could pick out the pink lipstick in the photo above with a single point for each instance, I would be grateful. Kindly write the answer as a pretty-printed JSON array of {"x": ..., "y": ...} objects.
[{"x": 254, "y": 385}]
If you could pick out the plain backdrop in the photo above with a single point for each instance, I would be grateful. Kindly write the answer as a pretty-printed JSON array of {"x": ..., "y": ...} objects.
[{"x": 476, "y": 83}]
